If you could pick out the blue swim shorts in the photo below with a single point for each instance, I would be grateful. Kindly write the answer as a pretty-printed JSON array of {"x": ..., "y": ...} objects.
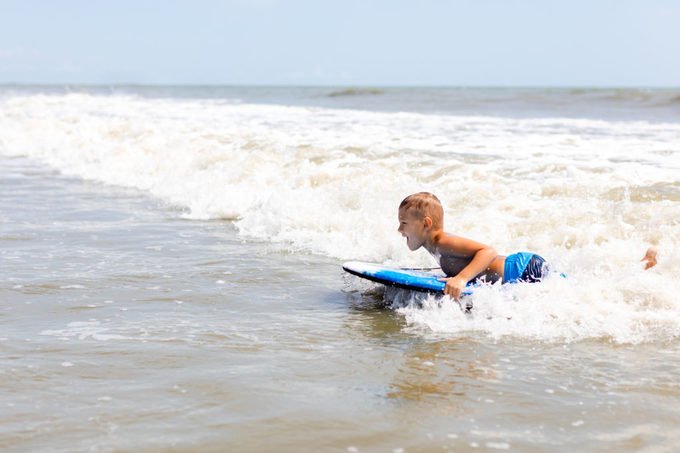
[{"x": 525, "y": 267}]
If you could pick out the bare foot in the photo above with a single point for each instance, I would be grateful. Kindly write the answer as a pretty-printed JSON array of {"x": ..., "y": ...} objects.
[{"x": 650, "y": 257}]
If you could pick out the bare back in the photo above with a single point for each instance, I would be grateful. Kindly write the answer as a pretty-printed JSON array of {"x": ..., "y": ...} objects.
[{"x": 452, "y": 263}]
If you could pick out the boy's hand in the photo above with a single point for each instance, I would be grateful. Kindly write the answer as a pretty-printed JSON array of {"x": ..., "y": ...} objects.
[{"x": 454, "y": 286}]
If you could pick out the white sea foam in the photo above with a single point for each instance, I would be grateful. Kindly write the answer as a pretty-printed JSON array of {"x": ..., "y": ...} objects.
[
  {"x": 558, "y": 310},
  {"x": 588, "y": 195},
  {"x": 82, "y": 330}
]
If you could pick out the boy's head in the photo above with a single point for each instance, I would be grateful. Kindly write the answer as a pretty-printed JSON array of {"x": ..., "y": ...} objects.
[{"x": 424, "y": 204}]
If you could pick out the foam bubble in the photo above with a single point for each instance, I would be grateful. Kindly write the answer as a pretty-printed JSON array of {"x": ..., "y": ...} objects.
[{"x": 84, "y": 330}]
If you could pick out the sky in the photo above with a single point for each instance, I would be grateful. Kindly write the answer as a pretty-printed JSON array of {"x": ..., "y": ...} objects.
[{"x": 593, "y": 43}]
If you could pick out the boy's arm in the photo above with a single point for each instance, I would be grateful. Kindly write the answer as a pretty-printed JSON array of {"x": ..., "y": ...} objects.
[{"x": 482, "y": 257}]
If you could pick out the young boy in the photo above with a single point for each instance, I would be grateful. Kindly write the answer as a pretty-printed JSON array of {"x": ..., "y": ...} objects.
[{"x": 421, "y": 222}]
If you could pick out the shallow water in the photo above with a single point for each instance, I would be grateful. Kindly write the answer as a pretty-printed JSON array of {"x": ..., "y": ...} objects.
[
  {"x": 171, "y": 280},
  {"x": 128, "y": 328}
]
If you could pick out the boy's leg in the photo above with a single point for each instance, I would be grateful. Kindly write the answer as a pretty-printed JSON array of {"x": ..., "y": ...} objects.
[
  {"x": 535, "y": 270},
  {"x": 650, "y": 257}
]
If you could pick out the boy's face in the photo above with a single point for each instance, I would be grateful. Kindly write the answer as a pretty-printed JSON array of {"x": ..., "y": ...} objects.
[{"x": 413, "y": 229}]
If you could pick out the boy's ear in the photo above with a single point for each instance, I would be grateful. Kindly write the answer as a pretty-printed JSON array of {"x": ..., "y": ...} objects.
[{"x": 428, "y": 222}]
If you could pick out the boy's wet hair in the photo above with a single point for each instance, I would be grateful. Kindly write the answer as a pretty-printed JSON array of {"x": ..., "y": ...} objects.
[{"x": 424, "y": 204}]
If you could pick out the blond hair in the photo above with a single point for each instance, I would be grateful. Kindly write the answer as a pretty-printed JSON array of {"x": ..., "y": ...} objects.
[{"x": 424, "y": 204}]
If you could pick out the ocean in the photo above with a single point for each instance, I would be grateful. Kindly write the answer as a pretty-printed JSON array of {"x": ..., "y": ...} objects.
[{"x": 171, "y": 269}]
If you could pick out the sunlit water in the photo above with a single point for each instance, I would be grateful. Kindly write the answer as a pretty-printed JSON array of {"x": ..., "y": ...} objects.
[{"x": 171, "y": 278}]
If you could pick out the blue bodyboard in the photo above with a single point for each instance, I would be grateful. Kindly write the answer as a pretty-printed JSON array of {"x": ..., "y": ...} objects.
[{"x": 425, "y": 280}]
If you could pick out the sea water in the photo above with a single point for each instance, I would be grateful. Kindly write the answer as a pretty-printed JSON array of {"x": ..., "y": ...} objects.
[{"x": 171, "y": 269}]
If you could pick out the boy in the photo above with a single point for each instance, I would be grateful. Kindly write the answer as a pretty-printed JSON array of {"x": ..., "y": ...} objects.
[{"x": 421, "y": 222}]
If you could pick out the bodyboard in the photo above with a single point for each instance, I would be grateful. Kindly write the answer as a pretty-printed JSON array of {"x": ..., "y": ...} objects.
[{"x": 414, "y": 279}]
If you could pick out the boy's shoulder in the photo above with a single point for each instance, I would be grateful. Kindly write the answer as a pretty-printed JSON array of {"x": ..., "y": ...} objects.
[{"x": 446, "y": 240}]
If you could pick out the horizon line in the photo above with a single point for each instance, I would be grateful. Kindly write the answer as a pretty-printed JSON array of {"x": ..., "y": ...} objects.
[{"x": 340, "y": 85}]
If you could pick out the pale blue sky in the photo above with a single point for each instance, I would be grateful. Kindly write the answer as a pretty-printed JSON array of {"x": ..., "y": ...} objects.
[{"x": 344, "y": 42}]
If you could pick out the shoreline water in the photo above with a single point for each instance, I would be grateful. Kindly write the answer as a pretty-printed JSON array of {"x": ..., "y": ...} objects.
[
  {"x": 144, "y": 310},
  {"x": 187, "y": 338}
]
